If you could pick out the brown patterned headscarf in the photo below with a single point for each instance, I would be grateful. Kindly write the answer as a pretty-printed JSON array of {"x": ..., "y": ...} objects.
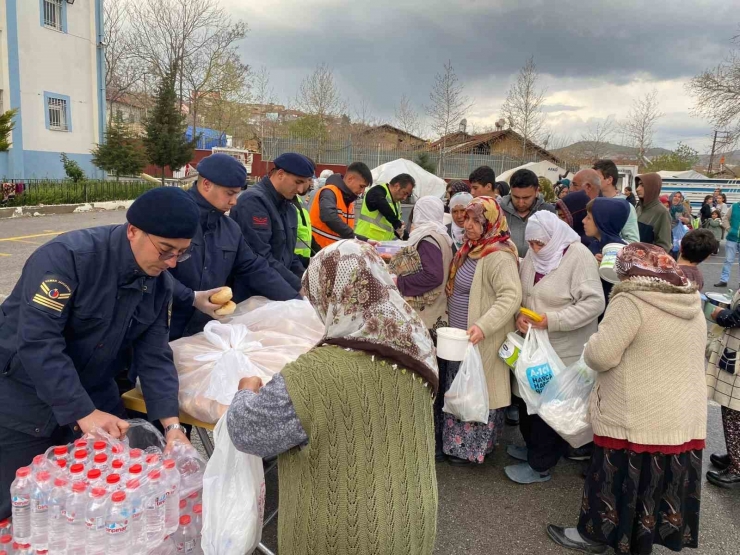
[
  {"x": 361, "y": 308},
  {"x": 646, "y": 261}
]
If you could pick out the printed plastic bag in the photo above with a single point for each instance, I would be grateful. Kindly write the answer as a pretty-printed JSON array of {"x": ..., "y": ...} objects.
[
  {"x": 537, "y": 365},
  {"x": 467, "y": 398},
  {"x": 233, "y": 498},
  {"x": 564, "y": 403}
]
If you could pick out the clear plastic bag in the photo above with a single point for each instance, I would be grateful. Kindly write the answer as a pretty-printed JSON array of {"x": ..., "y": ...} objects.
[
  {"x": 467, "y": 397},
  {"x": 564, "y": 403},
  {"x": 537, "y": 365},
  {"x": 233, "y": 498}
]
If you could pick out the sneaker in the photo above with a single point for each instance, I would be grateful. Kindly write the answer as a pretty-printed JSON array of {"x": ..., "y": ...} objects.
[
  {"x": 525, "y": 474},
  {"x": 581, "y": 454},
  {"x": 517, "y": 452},
  {"x": 720, "y": 284},
  {"x": 512, "y": 415},
  {"x": 559, "y": 536}
]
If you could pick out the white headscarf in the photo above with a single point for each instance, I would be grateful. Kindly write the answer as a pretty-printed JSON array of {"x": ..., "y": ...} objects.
[
  {"x": 429, "y": 213},
  {"x": 458, "y": 233},
  {"x": 556, "y": 235}
]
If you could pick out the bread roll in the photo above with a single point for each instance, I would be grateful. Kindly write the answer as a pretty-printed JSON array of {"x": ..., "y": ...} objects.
[
  {"x": 227, "y": 309},
  {"x": 222, "y": 296}
]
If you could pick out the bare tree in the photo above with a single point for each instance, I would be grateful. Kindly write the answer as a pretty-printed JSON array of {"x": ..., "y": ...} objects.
[
  {"x": 407, "y": 119},
  {"x": 595, "y": 140},
  {"x": 363, "y": 114},
  {"x": 319, "y": 97},
  {"x": 447, "y": 106},
  {"x": 262, "y": 91},
  {"x": 123, "y": 70},
  {"x": 523, "y": 106},
  {"x": 717, "y": 93},
  {"x": 639, "y": 127}
]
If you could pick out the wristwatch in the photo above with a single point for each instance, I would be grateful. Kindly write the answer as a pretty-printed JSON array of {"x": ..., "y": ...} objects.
[{"x": 171, "y": 427}]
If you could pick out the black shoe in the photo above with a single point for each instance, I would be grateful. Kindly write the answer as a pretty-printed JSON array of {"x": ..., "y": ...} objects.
[
  {"x": 720, "y": 284},
  {"x": 724, "y": 479},
  {"x": 512, "y": 415},
  {"x": 557, "y": 534},
  {"x": 440, "y": 457},
  {"x": 455, "y": 461},
  {"x": 720, "y": 461},
  {"x": 581, "y": 454}
]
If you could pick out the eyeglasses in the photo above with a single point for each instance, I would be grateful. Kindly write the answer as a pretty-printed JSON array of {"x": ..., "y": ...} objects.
[{"x": 182, "y": 256}]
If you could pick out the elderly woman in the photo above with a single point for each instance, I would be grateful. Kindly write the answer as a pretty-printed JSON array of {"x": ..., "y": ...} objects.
[
  {"x": 423, "y": 266},
  {"x": 560, "y": 281},
  {"x": 484, "y": 294},
  {"x": 351, "y": 419},
  {"x": 648, "y": 410},
  {"x": 458, "y": 203}
]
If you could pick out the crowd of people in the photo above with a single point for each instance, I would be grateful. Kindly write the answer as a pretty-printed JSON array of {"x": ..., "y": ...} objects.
[{"x": 358, "y": 422}]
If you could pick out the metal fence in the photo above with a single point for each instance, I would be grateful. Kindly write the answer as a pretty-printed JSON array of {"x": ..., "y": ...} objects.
[
  {"x": 346, "y": 151},
  {"x": 33, "y": 192}
]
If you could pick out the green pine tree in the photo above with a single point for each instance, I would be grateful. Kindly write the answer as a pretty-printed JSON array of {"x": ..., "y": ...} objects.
[
  {"x": 426, "y": 162},
  {"x": 72, "y": 169},
  {"x": 122, "y": 153},
  {"x": 165, "y": 140},
  {"x": 7, "y": 124}
]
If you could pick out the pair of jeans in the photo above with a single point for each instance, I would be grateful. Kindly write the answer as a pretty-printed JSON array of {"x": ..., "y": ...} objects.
[{"x": 731, "y": 251}]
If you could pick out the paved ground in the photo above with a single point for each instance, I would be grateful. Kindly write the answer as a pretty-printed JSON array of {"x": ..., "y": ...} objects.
[{"x": 480, "y": 510}]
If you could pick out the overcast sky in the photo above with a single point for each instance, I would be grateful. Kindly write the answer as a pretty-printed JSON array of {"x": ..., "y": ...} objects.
[{"x": 595, "y": 56}]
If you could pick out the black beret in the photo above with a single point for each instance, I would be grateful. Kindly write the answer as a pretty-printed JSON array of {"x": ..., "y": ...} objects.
[
  {"x": 223, "y": 170},
  {"x": 167, "y": 212},
  {"x": 295, "y": 163}
]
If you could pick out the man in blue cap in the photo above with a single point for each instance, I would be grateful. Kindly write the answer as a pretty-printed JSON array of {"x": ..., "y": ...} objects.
[
  {"x": 219, "y": 255},
  {"x": 83, "y": 300},
  {"x": 268, "y": 219}
]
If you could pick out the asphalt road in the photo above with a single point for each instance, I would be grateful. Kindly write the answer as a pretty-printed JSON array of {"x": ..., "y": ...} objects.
[{"x": 480, "y": 511}]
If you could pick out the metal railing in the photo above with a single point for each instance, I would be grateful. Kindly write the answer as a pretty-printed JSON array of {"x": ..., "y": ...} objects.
[{"x": 34, "y": 192}]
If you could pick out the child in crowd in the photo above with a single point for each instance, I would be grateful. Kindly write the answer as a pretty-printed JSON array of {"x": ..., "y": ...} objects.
[
  {"x": 714, "y": 224},
  {"x": 696, "y": 246}
]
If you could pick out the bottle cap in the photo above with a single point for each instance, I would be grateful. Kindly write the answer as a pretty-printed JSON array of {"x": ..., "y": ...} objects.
[
  {"x": 118, "y": 497},
  {"x": 94, "y": 474},
  {"x": 60, "y": 450},
  {"x": 152, "y": 459},
  {"x": 4, "y": 523},
  {"x": 198, "y": 509},
  {"x": 169, "y": 464},
  {"x": 133, "y": 484},
  {"x": 62, "y": 463},
  {"x": 135, "y": 453},
  {"x": 117, "y": 448},
  {"x": 117, "y": 464},
  {"x": 79, "y": 487},
  {"x": 99, "y": 445},
  {"x": 100, "y": 458},
  {"x": 38, "y": 460},
  {"x": 193, "y": 495},
  {"x": 155, "y": 475},
  {"x": 41, "y": 552},
  {"x": 98, "y": 492},
  {"x": 76, "y": 468},
  {"x": 7, "y": 538},
  {"x": 43, "y": 476},
  {"x": 184, "y": 520},
  {"x": 80, "y": 454},
  {"x": 60, "y": 482},
  {"x": 135, "y": 469},
  {"x": 81, "y": 443},
  {"x": 183, "y": 503},
  {"x": 113, "y": 479},
  {"x": 23, "y": 472}
]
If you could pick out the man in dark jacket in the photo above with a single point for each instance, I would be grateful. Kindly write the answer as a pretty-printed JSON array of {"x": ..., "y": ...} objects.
[{"x": 522, "y": 201}]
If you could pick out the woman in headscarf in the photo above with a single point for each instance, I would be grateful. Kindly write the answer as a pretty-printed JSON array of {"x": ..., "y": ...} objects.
[
  {"x": 484, "y": 293},
  {"x": 454, "y": 187},
  {"x": 561, "y": 283},
  {"x": 572, "y": 209},
  {"x": 605, "y": 218},
  {"x": 648, "y": 410},
  {"x": 351, "y": 419},
  {"x": 423, "y": 266},
  {"x": 458, "y": 203}
]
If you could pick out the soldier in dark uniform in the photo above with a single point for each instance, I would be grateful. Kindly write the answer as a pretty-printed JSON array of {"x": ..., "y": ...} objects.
[
  {"x": 82, "y": 299},
  {"x": 219, "y": 253},
  {"x": 268, "y": 219}
]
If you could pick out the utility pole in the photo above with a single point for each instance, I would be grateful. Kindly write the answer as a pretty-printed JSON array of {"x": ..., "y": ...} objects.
[{"x": 724, "y": 137}]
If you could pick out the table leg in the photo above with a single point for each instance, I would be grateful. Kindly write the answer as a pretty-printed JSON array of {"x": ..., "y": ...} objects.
[{"x": 205, "y": 440}]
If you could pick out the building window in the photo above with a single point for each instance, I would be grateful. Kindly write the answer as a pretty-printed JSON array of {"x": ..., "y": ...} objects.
[
  {"x": 58, "y": 116},
  {"x": 53, "y": 14}
]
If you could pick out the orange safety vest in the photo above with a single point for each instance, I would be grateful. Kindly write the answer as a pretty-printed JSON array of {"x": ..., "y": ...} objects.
[{"x": 321, "y": 232}]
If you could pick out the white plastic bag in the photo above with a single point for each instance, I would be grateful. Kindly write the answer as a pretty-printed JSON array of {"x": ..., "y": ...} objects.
[
  {"x": 467, "y": 398},
  {"x": 233, "y": 498},
  {"x": 564, "y": 404},
  {"x": 537, "y": 365}
]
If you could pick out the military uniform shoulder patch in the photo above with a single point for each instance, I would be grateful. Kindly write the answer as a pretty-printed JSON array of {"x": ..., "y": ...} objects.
[{"x": 52, "y": 295}]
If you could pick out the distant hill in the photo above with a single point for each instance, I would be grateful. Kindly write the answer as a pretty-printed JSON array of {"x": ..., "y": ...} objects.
[
  {"x": 606, "y": 150},
  {"x": 731, "y": 158}
]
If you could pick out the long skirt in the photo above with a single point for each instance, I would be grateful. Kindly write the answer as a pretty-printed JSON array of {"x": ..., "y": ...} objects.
[
  {"x": 632, "y": 501},
  {"x": 471, "y": 441},
  {"x": 731, "y": 425}
]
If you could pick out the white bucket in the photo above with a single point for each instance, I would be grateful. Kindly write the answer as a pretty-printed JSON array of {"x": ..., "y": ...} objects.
[
  {"x": 451, "y": 344},
  {"x": 609, "y": 260},
  {"x": 509, "y": 351}
]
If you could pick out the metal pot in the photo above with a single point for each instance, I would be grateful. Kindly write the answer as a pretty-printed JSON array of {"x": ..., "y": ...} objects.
[{"x": 713, "y": 301}]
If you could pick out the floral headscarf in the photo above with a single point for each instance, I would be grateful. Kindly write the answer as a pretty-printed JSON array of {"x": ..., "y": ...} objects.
[
  {"x": 646, "y": 261},
  {"x": 361, "y": 308},
  {"x": 496, "y": 236}
]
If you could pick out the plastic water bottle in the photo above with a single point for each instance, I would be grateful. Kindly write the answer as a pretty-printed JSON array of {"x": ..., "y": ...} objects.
[
  {"x": 80, "y": 444},
  {"x": 153, "y": 462},
  {"x": 60, "y": 453},
  {"x": 113, "y": 483},
  {"x": 81, "y": 456},
  {"x": 185, "y": 536},
  {"x": 198, "y": 525},
  {"x": 58, "y": 516},
  {"x": 20, "y": 496},
  {"x": 118, "y": 451},
  {"x": 75, "y": 512},
  {"x": 116, "y": 466},
  {"x": 95, "y": 521},
  {"x": 167, "y": 547},
  {"x": 117, "y": 525},
  {"x": 62, "y": 464},
  {"x": 137, "y": 525},
  {"x": 77, "y": 473},
  {"x": 6, "y": 543},
  {"x": 94, "y": 478},
  {"x": 38, "y": 465},
  {"x": 40, "y": 511},
  {"x": 5, "y": 527},
  {"x": 134, "y": 473},
  {"x": 136, "y": 456},
  {"x": 154, "y": 511},
  {"x": 24, "y": 549},
  {"x": 100, "y": 447},
  {"x": 100, "y": 462},
  {"x": 171, "y": 480}
]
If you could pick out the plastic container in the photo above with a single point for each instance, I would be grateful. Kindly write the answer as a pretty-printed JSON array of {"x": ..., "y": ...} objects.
[
  {"x": 40, "y": 511},
  {"x": 154, "y": 511},
  {"x": 185, "y": 537},
  {"x": 113, "y": 483},
  {"x": 451, "y": 344},
  {"x": 77, "y": 472},
  {"x": 76, "y": 506},
  {"x": 171, "y": 480},
  {"x": 137, "y": 524},
  {"x": 100, "y": 447},
  {"x": 60, "y": 452},
  {"x": 20, "y": 498},
  {"x": 100, "y": 462},
  {"x": 198, "y": 525},
  {"x": 6, "y": 543},
  {"x": 58, "y": 516},
  {"x": 608, "y": 262},
  {"x": 510, "y": 349},
  {"x": 96, "y": 539},
  {"x": 117, "y": 525},
  {"x": 5, "y": 527},
  {"x": 95, "y": 478}
]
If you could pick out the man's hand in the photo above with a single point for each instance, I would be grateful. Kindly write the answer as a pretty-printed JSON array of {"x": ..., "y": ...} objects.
[
  {"x": 174, "y": 437},
  {"x": 476, "y": 335},
  {"x": 203, "y": 302},
  {"x": 252, "y": 383},
  {"x": 110, "y": 424}
]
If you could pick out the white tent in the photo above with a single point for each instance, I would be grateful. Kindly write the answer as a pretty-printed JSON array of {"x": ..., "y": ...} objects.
[
  {"x": 426, "y": 183},
  {"x": 690, "y": 174},
  {"x": 550, "y": 170}
]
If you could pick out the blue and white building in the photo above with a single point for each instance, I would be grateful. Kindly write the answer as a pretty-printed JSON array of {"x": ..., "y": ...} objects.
[{"x": 52, "y": 69}]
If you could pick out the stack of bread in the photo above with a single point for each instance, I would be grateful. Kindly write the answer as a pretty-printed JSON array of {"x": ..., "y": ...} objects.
[{"x": 223, "y": 298}]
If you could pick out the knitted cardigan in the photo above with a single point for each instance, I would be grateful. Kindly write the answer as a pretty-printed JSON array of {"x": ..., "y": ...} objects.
[
  {"x": 365, "y": 483},
  {"x": 649, "y": 355}
]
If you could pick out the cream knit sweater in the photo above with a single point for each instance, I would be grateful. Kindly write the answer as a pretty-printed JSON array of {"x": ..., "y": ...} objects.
[{"x": 649, "y": 355}]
